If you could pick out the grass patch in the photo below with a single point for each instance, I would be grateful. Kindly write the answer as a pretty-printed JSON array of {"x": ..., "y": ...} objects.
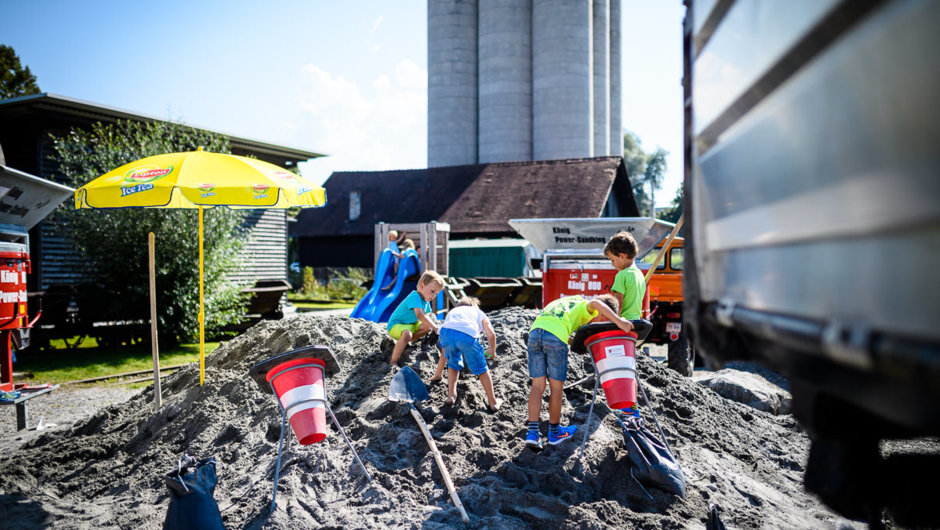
[
  {"x": 60, "y": 365},
  {"x": 316, "y": 306},
  {"x": 343, "y": 284}
]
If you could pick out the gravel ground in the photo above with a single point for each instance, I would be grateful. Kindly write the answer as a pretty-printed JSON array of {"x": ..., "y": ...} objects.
[
  {"x": 105, "y": 470},
  {"x": 58, "y": 411}
]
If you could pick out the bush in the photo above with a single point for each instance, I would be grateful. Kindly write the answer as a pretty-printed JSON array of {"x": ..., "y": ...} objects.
[
  {"x": 113, "y": 242},
  {"x": 343, "y": 284}
]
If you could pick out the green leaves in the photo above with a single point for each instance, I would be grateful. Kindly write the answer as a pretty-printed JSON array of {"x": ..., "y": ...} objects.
[
  {"x": 15, "y": 79},
  {"x": 644, "y": 169},
  {"x": 114, "y": 242}
]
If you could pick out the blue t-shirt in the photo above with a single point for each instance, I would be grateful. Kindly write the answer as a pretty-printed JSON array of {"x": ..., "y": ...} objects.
[{"x": 405, "y": 312}]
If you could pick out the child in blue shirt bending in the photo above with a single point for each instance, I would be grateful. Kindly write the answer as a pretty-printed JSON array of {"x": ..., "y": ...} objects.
[{"x": 412, "y": 319}]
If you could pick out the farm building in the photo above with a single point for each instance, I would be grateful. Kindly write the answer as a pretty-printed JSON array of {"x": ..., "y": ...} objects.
[
  {"x": 476, "y": 200},
  {"x": 25, "y": 125}
]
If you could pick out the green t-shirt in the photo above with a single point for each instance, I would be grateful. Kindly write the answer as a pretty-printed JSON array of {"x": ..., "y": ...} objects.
[
  {"x": 629, "y": 282},
  {"x": 563, "y": 316}
]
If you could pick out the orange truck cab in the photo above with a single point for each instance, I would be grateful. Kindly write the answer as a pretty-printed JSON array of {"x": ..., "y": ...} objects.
[{"x": 663, "y": 303}]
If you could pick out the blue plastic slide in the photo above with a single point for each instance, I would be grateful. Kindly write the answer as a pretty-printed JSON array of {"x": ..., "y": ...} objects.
[{"x": 377, "y": 305}]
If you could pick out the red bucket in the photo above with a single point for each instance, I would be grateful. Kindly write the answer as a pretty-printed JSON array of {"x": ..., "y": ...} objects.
[
  {"x": 614, "y": 355},
  {"x": 299, "y": 386}
]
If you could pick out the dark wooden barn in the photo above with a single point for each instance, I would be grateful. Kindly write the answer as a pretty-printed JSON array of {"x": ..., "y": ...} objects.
[{"x": 477, "y": 201}]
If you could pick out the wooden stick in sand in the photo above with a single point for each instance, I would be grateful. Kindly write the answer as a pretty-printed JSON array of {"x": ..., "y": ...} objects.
[{"x": 440, "y": 464}]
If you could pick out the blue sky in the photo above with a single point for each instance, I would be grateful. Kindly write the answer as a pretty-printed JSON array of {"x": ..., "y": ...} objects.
[{"x": 347, "y": 79}]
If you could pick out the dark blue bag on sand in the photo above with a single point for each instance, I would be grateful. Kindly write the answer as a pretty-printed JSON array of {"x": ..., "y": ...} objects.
[
  {"x": 651, "y": 463},
  {"x": 191, "y": 486}
]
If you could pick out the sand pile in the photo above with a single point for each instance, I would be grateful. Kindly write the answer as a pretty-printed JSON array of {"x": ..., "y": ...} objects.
[{"x": 107, "y": 471}]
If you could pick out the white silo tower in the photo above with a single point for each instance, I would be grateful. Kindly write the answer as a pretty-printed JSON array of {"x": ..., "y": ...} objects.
[
  {"x": 505, "y": 83},
  {"x": 517, "y": 80},
  {"x": 615, "y": 79},
  {"x": 562, "y": 84},
  {"x": 452, "y": 82},
  {"x": 601, "y": 56}
]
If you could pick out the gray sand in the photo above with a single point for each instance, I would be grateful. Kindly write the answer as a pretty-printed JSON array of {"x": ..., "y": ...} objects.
[{"x": 105, "y": 470}]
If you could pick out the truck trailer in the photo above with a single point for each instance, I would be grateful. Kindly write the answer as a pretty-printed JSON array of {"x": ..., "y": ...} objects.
[{"x": 812, "y": 203}]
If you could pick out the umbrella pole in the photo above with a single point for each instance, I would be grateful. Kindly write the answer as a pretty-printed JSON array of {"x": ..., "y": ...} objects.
[
  {"x": 202, "y": 312},
  {"x": 154, "y": 345}
]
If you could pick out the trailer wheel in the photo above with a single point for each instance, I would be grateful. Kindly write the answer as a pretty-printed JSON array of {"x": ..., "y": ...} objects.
[{"x": 679, "y": 356}]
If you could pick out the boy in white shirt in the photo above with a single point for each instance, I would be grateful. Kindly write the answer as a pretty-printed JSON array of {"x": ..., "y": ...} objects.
[{"x": 460, "y": 343}]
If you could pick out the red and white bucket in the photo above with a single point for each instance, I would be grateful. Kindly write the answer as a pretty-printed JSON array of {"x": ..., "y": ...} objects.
[
  {"x": 614, "y": 355},
  {"x": 299, "y": 386}
]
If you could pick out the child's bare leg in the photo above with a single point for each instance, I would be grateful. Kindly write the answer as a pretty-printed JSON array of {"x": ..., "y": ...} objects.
[
  {"x": 487, "y": 383},
  {"x": 452, "y": 376},
  {"x": 554, "y": 401},
  {"x": 400, "y": 345},
  {"x": 439, "y": 372},
  {"x": 535, "y": 398},
  {"x": 423, "y": 330}
]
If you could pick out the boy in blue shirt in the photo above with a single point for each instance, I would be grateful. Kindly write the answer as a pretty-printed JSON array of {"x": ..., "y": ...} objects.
[{"x": 411, "y": 320}]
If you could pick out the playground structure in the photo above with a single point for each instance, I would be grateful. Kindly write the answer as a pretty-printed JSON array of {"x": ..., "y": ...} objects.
[{"x": 392, "y": 285}]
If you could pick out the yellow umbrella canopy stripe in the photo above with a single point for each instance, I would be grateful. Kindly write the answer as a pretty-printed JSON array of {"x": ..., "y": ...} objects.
[{"x": 197, "y": 180}]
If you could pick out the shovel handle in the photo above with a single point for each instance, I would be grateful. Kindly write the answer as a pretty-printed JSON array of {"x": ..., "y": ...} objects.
[{"x": 440, "y": 464}]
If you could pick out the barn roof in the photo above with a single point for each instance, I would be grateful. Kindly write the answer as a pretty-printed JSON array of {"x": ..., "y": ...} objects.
[{"x": 474, "y": 199}]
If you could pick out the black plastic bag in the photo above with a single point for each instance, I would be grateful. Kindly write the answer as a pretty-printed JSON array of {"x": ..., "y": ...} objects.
[
  {"x": 192, "y": 505},
  {"x": 714, "y": 519},
  {"x": 651, "y": 462}
]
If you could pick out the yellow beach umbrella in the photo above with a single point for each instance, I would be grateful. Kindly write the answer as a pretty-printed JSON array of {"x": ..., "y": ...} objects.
[{"x": 197, "y": 180}]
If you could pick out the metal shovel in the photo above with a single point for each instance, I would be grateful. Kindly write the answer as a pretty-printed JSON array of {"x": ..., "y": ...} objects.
[{"x": 407, "y": 386}]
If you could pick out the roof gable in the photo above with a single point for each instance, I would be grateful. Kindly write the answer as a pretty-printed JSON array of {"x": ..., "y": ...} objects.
[{"x": 36, "y": 114}]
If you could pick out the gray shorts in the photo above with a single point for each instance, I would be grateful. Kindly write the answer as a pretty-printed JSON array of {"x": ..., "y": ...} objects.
[{"x": 548, "y": 356}]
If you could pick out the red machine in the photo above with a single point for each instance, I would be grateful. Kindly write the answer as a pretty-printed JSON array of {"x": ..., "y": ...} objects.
[
  {"x": 14, "y": 266},
  {"x": 25, "y": 200},
  {"x": 573, "y": 260}
]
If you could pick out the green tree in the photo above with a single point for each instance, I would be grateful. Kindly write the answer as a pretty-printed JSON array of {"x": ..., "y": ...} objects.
[
  {"x": 114, "y": 241},
  {"x": 674, "y": 212},
  {"x": 646, "y": 170},
  {"x": 15, "y": 79}
]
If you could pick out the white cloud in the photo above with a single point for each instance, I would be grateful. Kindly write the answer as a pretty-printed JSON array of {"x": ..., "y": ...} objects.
[
  {"x": 375, "y": 125},
  {"x": 374, "y": 46}
]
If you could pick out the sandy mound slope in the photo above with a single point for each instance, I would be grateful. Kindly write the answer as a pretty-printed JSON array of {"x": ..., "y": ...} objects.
[{"x": 107, "y": 471}]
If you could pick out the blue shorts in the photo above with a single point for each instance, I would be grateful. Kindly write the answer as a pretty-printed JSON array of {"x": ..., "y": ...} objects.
[
  {"x": 547, "y": 355},
  {"x": 458, "y": 346}
]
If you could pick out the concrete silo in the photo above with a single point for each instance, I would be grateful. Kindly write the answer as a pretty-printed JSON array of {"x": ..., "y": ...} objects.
[
  {"x": 562, "y": 84},
  {"x": 505, "y": 80},
  {"x": 452, "y": 82},
  {"x": 601, "y": 52},
  {"x": 615, "y": 80},
  {"x": 518, "y": 80}
]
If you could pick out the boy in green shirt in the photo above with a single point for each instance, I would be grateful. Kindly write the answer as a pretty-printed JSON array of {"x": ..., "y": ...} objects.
[
  {"x": 548, "y": 357},
  {"x": 629, "y": 285}
]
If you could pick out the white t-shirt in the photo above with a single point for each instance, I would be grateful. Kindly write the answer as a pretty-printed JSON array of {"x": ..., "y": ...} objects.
[{"x": 465, "y": 318}]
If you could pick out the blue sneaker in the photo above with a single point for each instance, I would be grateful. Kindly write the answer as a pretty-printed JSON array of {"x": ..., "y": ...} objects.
[
  {"x": 630, "y": 412},
  {"x": 533, "y": 441},
  {"x": 563, "y": 434}
]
